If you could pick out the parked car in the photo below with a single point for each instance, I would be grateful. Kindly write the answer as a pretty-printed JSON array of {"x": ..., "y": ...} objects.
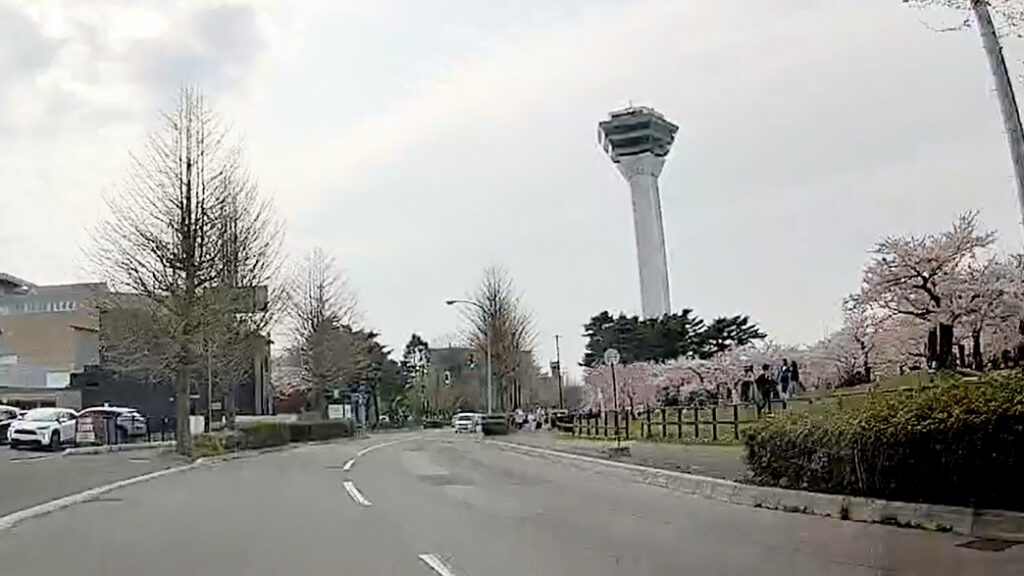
[
  {"x": 122, "y": 424},
  {"x": 43, "y": 427},
  {"x": 8, "y": 414},
  {"x": 465, "y": 422}
]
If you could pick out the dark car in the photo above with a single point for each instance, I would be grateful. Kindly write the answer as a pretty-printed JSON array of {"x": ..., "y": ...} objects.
[{"x": 8, "y": 414}]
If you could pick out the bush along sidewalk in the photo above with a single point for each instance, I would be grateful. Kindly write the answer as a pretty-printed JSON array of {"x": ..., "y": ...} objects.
[
  {"x": 259, "y": 435},
  {"x": 958, "y": 444}
]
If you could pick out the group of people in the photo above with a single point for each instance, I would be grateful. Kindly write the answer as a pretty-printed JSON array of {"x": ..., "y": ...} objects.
[
  {"x": 529, "y": 419},
  {"x": 770, "y": 384}
]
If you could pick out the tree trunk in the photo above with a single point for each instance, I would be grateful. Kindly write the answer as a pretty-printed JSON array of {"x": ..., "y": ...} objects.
[
  {"x": 1004, "y": 91},
  {"x": 976, "y": 355},
  {"x": 961, "y": 354},
  {"x": 945, "y": 357},
  {"x": 182, "y": 431},
  {"x": 932, "y": 350}
]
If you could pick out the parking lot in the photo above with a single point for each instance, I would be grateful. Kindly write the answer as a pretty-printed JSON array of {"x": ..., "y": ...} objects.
[{"x": 29, "y": 477}]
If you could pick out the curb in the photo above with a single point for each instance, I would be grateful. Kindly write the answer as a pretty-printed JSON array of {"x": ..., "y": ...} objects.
[
  {"x": 994, "y": 524},
  {"x": 117, "y": 448}
]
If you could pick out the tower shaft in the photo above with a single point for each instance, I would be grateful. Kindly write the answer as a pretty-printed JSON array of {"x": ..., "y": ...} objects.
[{"x": 642, "y": 171}]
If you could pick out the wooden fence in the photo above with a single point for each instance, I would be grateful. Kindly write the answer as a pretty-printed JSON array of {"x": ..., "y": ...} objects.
[{"x": 718, "y": 423}]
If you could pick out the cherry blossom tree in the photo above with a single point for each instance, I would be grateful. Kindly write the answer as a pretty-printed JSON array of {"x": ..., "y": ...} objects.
[{"x": 919, "y": 276}]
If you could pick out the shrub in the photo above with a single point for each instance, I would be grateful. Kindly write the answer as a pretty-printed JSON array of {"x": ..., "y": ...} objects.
[
  {"x": 264, "y": 435},
  {"x": 322, "y": 430},
  {"x": 960, "y": 444},
  {"x": 494, "y": 424},
  {"x": 206, "y": 445}
]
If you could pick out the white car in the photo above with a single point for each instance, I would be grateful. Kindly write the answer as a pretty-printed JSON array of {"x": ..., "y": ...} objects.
[
  {"x": 43, "y": 427},
  {"x": 121, "y": 424},
  {"x": 465, "y": 422}
]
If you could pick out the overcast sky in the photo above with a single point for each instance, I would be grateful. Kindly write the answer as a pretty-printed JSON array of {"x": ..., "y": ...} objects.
[{"x": 421, "y": 141}]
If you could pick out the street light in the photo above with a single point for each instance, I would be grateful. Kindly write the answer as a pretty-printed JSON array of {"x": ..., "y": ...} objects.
[{"x": 484, "y": 310}]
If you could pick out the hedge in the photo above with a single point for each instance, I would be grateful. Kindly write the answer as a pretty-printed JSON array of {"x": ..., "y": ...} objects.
[
  {"x": 494, "y": 424},
  {"x": 257, "y": 435},
  {"x": 960, "y": 444}
]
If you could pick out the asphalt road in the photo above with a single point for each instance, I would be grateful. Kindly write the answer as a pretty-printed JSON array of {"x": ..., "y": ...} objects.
[
  {"x": 436, "y": 504},
  {"x": 29, "y": 477}
]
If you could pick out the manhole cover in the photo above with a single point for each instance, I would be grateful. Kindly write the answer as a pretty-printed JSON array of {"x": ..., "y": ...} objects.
[{"x": 988, "y": 544}]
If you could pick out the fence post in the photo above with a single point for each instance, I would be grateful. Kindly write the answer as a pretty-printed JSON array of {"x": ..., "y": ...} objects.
[
  {"x": 616, "y": 424},
  {"x": 649, "y": 432},
  {"x": 696, "y": 422},
  {"x": 714, "y": 423},
  {"x": 679, "y": 421},
  {"x": 606, "y": 424},
  {"x": 736, "y": 421},
  {"x": 664, "y": 422},
  {"x": 627, "y": 423}
]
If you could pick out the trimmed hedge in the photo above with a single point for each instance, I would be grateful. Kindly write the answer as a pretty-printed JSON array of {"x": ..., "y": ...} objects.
[
  {"x": 323, "y": 430},
  {"x": 494, "y": 424},
  {"x": 961, "y": 444}
]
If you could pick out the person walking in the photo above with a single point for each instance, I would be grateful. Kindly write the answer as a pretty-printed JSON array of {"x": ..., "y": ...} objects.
[
  {"x": 764, "y": 386},
  {"x": 794, "y": 378},
  {"x": 783, "y": 378}
]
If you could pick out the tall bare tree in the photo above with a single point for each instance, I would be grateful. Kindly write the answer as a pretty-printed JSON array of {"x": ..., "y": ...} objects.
[
  {"x": 184, "y": 234},
  {"x": 321, "y": 310},
  {"x": 1012, "y": 14},
  {"x": 500, "y": 313}
]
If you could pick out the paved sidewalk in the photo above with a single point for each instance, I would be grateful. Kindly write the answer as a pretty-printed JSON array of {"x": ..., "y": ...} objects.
[
  {"x": 724, "y": 462},
  {"x": 31, "y": 478}
]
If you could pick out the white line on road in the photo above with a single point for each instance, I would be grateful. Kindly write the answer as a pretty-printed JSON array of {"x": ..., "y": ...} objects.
[
  {"x": 369, "y": 449},
  {"x": 356, "y": 494},
  {"x": 439, "y": 565},
  {"x": 348, "y": 465}
]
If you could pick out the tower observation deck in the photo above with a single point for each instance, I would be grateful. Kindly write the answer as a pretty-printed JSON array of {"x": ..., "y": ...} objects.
[{"x": 637, "y": 140}]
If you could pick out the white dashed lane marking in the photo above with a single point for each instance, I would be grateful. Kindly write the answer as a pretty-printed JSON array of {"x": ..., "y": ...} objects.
[
  {"x": 356, "y": 494},
  {"x": 348, "y": 465},
  {"x": 437, "y": 564}
]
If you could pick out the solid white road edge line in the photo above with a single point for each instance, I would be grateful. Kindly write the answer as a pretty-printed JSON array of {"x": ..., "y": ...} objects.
[
  {"x": 8, "y": 521},
  {"x": 437, "y": 564},
  {"x": 348, "y": 465},
  {"x": 356, "y": 494}
]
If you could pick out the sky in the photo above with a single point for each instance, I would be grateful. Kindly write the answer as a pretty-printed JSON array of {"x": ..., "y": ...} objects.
[{"x": 421, "y": 142}]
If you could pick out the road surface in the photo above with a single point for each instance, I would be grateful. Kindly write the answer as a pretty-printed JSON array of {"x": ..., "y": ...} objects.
[
  {"x": 432, "y": 503},
  {"x": 29, "y": 477}
]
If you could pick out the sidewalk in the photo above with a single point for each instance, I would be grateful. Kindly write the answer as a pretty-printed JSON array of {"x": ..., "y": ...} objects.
[{"x": 725, "y": 462}]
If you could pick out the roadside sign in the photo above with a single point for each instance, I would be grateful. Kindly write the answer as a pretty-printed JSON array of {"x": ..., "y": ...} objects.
[
  {"x": 84, "y": 433},
  {"x": 611, "y": 356},
  {"x": 336, "y": 411}
]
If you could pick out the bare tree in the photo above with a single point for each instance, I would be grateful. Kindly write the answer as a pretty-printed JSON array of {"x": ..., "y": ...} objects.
[
  {"x": 1012, "y": 13},
  {"x": 322, "y": 309},
  {"x": 500, "y": 313},
  {"x": 186, "y": 242}
]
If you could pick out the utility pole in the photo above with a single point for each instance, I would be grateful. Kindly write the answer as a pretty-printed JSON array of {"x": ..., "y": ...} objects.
[
  {"x": 558, "y": 362},
  {"x": 1004, "y": 91}
]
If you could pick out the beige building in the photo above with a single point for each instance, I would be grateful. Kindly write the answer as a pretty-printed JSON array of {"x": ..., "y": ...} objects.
[{"x": 46, "y": 332}]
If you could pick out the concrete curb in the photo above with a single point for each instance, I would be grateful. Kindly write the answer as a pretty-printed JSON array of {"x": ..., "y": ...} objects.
[
  {"x": 995, "y": 524},
  {"x": 117, "y": 448}
]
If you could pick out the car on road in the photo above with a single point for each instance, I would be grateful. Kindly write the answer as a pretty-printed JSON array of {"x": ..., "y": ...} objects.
[
  {"x": 8, "y": 414},
  {"x": 465, "y": 422},
  {"x": 43, "y": 427},
  {"x": 121, "y": 424}
]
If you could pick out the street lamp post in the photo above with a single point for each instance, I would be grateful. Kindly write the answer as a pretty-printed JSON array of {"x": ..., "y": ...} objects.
[
  {"x": 484, "y": 310},
  {"x": 611, "y": 358}
]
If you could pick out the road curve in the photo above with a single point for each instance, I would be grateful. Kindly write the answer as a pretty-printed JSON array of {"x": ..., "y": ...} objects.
[{"x": 453, "y": 506}]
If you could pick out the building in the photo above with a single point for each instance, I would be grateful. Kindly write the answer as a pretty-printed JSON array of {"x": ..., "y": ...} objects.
[
  {"x": 637, "y": 140},
  {"x": 47, "y": 333}
]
